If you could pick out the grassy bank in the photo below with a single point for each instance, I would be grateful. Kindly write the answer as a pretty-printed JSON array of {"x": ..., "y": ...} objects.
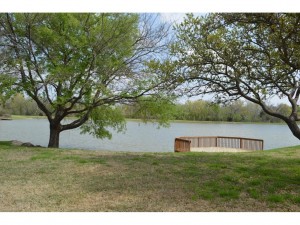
[{"x": 40, "y": 179}]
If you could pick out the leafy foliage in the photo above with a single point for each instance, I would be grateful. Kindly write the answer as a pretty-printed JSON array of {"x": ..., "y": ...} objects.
[
  {"x": 73, "y": 64},
  {"x": 233, "y": 56},
  {"x": 153, "y": 108},
  {"x": 6, "y": 90},
  {"x": 103, "y": 117}
]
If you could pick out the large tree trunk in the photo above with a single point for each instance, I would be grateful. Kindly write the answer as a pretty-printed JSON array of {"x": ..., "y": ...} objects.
[
  {"x": 55, "y": 130},
  {"x": 294, "y": 128}
]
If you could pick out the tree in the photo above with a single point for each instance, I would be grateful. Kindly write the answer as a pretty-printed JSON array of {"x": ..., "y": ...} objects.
[
  {"x": 82, "y": 65},
  {"x": 19, "y": 105},
  {"x": 234, "y": 111},
  {"x": 252, "y": 112},
  {"x": 197, "y": 110},
  {"x": 6, "y": 82},
  {"x": 154, "y": 108},
  {"x": 233, "y": 56}
]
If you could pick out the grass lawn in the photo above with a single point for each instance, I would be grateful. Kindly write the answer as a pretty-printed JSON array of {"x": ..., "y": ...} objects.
[{"x": 41, "y": 179}]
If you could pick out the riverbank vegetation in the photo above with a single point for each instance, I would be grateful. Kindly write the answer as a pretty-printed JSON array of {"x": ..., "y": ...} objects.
[
  {"x": 199, "y": 110},
  {"x": 41, "y": 179}
]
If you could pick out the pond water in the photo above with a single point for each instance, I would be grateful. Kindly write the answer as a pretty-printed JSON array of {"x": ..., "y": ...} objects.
[{"x": 140, "y": 137}]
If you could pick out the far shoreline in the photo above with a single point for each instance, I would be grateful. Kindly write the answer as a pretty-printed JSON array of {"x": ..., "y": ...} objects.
[{"x": 24, "y": 117}]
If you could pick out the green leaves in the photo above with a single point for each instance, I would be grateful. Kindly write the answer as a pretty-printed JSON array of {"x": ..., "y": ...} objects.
[
  {"x": 237, "y": 55},
  {"x": 155, "y": 108},
  {"x": 101, "y": 119},
  {"x": 251, "y": 52},
  {"x": 83, "y": 64},
  {"x": 6, "y": 87}
]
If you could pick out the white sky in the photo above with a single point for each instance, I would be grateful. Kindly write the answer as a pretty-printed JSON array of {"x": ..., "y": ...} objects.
[
  {"x": 176, "y": 17},
  {"x": 170, "y": 17},
  {"x": 167, "y": 6}
]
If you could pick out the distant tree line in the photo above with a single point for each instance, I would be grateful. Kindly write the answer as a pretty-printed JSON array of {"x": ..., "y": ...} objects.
[
  {"x": 201, "y": 110},
  {"x": 19, "y": 105}
]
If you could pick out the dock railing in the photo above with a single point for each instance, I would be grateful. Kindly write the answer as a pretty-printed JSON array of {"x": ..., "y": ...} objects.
[{"x": 184, "y": 144}]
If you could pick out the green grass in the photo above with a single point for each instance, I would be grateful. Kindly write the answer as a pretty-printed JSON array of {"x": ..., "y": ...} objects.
[
  {"x": 5, "y": 143},
  {"x": 41, "y": 179},
  {"x": 22, "y": 117}
]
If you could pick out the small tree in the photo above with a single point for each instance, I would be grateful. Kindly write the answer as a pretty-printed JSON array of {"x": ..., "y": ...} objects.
[
  {"x": 250, "y": 56},
  {"x": 82, "y": 65}
]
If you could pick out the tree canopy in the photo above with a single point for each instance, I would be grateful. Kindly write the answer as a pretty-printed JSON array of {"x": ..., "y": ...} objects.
[
  {"x": 250, "y": 56},
  {"x": 81, "y": 64}
]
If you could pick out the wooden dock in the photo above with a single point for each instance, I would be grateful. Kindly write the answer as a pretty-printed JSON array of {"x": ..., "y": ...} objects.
[{"x": 217, "y": 144}]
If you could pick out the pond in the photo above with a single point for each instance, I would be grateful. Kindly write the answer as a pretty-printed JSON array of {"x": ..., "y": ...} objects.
[{"x": 140, "y": 137}]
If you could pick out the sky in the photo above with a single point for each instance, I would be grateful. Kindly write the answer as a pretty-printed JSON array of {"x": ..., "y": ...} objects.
[
  {"x": 167, "y": 6},
  {"x": 176, "y": 17},
  {"x": 170, "y": 17}
]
